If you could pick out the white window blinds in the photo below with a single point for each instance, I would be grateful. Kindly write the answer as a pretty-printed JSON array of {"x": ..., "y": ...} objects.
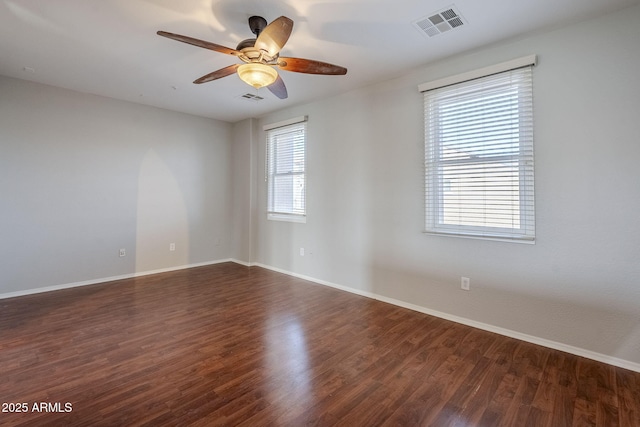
[
  {"x": 479, "y": 157},
  {"x": 286, "y": 171}
]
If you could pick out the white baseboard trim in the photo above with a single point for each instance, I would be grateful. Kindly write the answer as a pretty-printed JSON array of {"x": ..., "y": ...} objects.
[
  {"x": 108, "y": 279},
  {"x": 610, "y": 360}
]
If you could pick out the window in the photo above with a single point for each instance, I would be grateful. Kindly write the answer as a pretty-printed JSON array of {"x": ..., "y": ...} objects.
[
  {"x": 286, "y": 186},
  {"x": 479, "y": 156}
]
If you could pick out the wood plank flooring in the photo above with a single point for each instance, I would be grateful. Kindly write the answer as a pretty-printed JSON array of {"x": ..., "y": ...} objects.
[{"x": 231, "y": 345}]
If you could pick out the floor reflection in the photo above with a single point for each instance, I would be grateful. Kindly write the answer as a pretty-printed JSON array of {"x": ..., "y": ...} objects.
[{"x": 287, "y": 361}]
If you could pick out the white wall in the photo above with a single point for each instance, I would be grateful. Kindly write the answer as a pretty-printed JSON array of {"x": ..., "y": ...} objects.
[
  {"x": 579, "y": 285},
  {"x": 82, "y": 176}
]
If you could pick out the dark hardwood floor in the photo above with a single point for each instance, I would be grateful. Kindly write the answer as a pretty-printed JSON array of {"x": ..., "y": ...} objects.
[{"x": 230, "y": 345}]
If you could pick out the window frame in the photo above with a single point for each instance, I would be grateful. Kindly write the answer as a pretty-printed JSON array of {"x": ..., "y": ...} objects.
[
  {"x": 436, "y": 182},
  {"x": 272, "y": 131}
]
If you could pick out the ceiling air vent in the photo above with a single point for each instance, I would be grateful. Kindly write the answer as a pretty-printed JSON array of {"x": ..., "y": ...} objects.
[
  {"x": 440, "y": 22},
  {"x": 252, "y": 97}
]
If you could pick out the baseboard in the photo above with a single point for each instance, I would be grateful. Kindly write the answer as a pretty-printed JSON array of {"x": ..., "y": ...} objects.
[
  {"x": 610, "y": 360},
  {"x": 108, "y": 279}
]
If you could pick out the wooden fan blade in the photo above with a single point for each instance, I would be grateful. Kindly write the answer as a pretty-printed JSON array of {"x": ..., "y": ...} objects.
[
  {"x": 199, "y": 43},
  {"x": 310, "y": 66},
  {"x": 274, "y": 35},
  {"x": 218, "y": 74},
  {"x": 278, "y": 88}
]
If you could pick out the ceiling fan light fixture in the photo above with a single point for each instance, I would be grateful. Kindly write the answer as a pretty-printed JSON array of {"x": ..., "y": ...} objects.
[{"x": 257, "y": 75}]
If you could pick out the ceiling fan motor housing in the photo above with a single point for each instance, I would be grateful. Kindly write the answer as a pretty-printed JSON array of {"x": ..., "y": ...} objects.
[
  {"x": 246, "y": 43},
  {"x": 256, "y": 24}
]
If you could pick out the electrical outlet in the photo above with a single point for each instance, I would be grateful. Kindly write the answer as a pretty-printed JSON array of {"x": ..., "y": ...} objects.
[
  {"x": 172, "y": 247},
  {"x": 465, "y": 283},
  {"x": 123, "y": 252},
  {"x": 301, "y": 251}
]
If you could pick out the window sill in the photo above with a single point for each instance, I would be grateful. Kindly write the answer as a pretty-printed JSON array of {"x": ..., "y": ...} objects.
[
  {"x": 287, "y": 218},
  {"x": 524, "y": 240}
]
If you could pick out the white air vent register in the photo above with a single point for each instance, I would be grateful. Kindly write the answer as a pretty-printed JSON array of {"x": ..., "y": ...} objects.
[{"x": 440, "y": 22}]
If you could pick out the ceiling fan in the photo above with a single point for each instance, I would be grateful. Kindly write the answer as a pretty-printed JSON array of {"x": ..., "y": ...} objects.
[{"x": 261, "y": 55}]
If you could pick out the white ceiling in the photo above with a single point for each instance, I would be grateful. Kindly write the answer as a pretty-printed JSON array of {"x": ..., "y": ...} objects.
[{"x": 110, "y": 47}]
